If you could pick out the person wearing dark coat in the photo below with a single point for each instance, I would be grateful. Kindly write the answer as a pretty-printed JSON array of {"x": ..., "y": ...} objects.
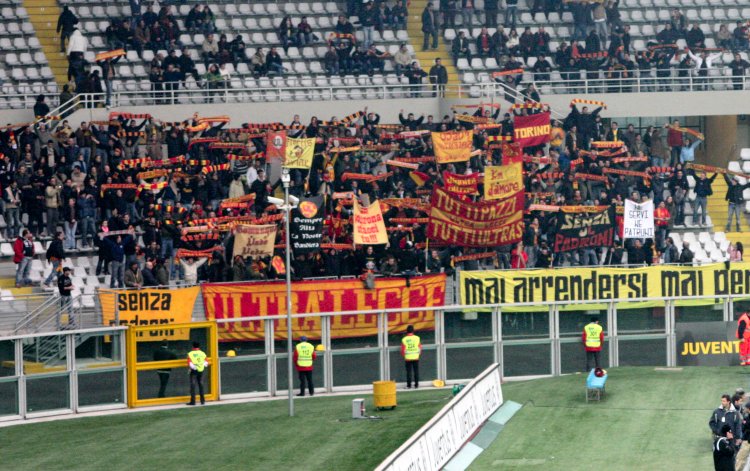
[{"x": 724, "y": 449}]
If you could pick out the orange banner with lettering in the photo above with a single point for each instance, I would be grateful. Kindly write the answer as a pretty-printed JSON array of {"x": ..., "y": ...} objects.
[
  {"x": 369, "y": 226},
  {"x": 452, "y": 146},
  {"x": 461, "y": 184},
  {"x": 531, "y": 130},
  {"x": 503, "y": 181},
  {"x": 257, "y": 300}
]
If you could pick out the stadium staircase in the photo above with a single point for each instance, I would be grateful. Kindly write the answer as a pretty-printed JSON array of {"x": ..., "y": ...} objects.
[
  {"x": 43, "y": 16},
  {"x": 718, "y": 208},
  {"x": 427, "y": 58}
]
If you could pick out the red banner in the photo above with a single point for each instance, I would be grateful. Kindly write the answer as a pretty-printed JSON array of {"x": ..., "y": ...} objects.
[
  {"x": 512, "y": 153},
  {"x": 461, "y": 184},
  {"x": 482, "y": 224},
  {"x": 531, "y": 130},
  {"x": 257, "y": 300},
  {"x": 275, "y": 145}
]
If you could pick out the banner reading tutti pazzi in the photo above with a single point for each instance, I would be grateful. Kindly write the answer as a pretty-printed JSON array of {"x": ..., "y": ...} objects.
[{"x": 256, "y": 300}]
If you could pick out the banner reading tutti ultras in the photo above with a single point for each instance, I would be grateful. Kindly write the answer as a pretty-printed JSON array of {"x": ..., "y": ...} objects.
[
  {"x": 604, "y": 284},
  {"x": 503, "y": 181},
  {"x": 306, "y": 228},
  {"x": 157, "y": 307},
  {"x": 482, "y": 224},
  {"x": 235, "y": 300},
  {"x": 584, "y": 230},
  {"x": 531, "y": 130},
  {"x": 452, "y": 146},
  {"x": 639, "y": 220}
]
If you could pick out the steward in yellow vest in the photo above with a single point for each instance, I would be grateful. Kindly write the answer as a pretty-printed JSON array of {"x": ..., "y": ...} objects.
[
  {"x": 593, "y": 339},
  {"x": 411, "y": 348},
  {"x": 197, "y": 364},
  {"x": 304, "y": 354}
]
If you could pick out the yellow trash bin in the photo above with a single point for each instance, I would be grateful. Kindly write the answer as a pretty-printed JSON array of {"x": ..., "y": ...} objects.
[{"x": 384, "y": 393}]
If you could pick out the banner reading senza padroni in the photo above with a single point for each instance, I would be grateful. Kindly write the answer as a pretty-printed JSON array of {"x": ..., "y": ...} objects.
[
  {"x": 236, "y": 300},
  {"x": 531, "y": 130},
  {"x": 584, "y": 230}
]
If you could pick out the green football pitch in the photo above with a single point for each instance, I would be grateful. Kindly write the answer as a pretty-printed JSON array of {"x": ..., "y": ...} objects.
[{"x": 649, "y": 420}]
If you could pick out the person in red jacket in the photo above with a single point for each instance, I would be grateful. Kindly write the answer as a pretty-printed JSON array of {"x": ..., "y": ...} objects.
[
  {"x": 674, "y": 141},
  {"x": 23, "y": 254},
  {"x": 743, "y": 333}
]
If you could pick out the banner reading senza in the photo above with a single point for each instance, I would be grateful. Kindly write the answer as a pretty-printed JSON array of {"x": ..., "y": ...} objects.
[
  {"x": 461, "y": 184},
  {"x": 531, "y": 130},
  {"x": 254, "y": 241},
  {"x": 369, "y": 226},
  {"x": 639, "y": 220},
  {"x": 657, "y": 282},
  {"x": 503, "y": 181},
  {"x": 157, "y": 307},
  {"x": 482, "y": 224},
  {"x": 452, "y": 146},
  {"x": 235, "y": 300},
  {"x": 582, "y": 230}
]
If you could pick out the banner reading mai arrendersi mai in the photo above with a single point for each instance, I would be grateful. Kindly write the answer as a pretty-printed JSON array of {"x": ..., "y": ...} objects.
[{"x": 605, "y": 283}]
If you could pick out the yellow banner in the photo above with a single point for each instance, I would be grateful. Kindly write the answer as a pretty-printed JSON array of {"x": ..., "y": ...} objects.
[
  {"x": 299, "y": 153},
  {"x": 503, "y": 181},
  {"x": 369, "y": 226},
  {"x": 254, "y": 240},
  {"x": 157, "y": 307},
  {"x": 452, "y": 146},
  {"x": 625, "y": 285}
]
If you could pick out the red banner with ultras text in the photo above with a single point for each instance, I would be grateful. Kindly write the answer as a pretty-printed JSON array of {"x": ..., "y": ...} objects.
[
  {"x": 531, "y": 130},
  {"x": 257, "y": 300},
  {"x": 461, "y": 184},
  {"x": 482, "y": 224}
]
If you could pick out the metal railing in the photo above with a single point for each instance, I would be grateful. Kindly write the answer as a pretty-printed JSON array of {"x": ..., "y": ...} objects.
[{"x": 545, "y": 83}]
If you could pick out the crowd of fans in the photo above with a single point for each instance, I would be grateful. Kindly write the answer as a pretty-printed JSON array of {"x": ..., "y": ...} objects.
[{"x": 61, "y": 172}]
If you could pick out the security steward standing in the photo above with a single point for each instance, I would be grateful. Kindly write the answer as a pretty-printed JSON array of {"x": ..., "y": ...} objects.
[
  {"x": 593, "y": 339},
  {"x": 304, "y": 354},
  {"x": 743, "y": 333},
  {"x": 197, "y": 363},
  {"x": 411, "y": 348}
]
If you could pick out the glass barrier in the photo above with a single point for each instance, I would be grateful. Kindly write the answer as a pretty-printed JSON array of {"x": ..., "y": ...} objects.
[
  {"x": 643, "y": 352},
  {"x": 527, "y": 360},
  {"x": 9, "y": 396},
  {"x": 352, "y": 367},
  {"x": 427, "y": 364},
  {"x": 96, "y": 388},
  {"x": 525, "y": 325},
  {"x": 711, "y": 312},
  {"x": 643, "y": 320},
  {"x": 466, "y": 362},
  {"x": 7, "y": 358},
  {"x": 244, "y": 374},
  {"x": 47, "y": 393},
  {"x": 468, "y": 326}
]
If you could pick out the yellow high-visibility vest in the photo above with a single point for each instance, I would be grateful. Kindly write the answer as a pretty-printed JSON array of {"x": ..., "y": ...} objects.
[
  {"x": 198, "y": 358},
  {"x": 304, "y": 354},
  {"x": 411, "y": 350},
  {"x": 593, "y": 332}
]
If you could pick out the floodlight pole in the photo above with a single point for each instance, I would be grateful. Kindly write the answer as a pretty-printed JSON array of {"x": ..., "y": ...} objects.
[{"x": 285, "y": 179}]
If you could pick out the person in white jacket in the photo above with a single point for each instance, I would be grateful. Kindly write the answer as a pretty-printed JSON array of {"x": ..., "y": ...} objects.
[
  {"x": 77, "y": 44},
  {"x": 190, "y": 269},
  {"x": 703, "y": 63}
]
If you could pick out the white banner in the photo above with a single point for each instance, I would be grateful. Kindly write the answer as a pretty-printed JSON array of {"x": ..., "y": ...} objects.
[
  {"x": 442, "y": 437},
  {"x": 639, "y": 220}
]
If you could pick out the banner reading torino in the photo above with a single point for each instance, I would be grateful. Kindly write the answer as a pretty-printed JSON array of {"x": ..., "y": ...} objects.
[
  {"x": 503, "y": 181},
  {"x": 256, "y": 300},
  {"x": 572, "y": 285},
  {"x": 461, "y": 184},
  {"x": 531, "y": 130},
  {"x": 254, "y": 240},
  {"x": 452, "y": 146},
  {"x": 369, "y": 226},
  {"x": 482, "y": 224}
]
